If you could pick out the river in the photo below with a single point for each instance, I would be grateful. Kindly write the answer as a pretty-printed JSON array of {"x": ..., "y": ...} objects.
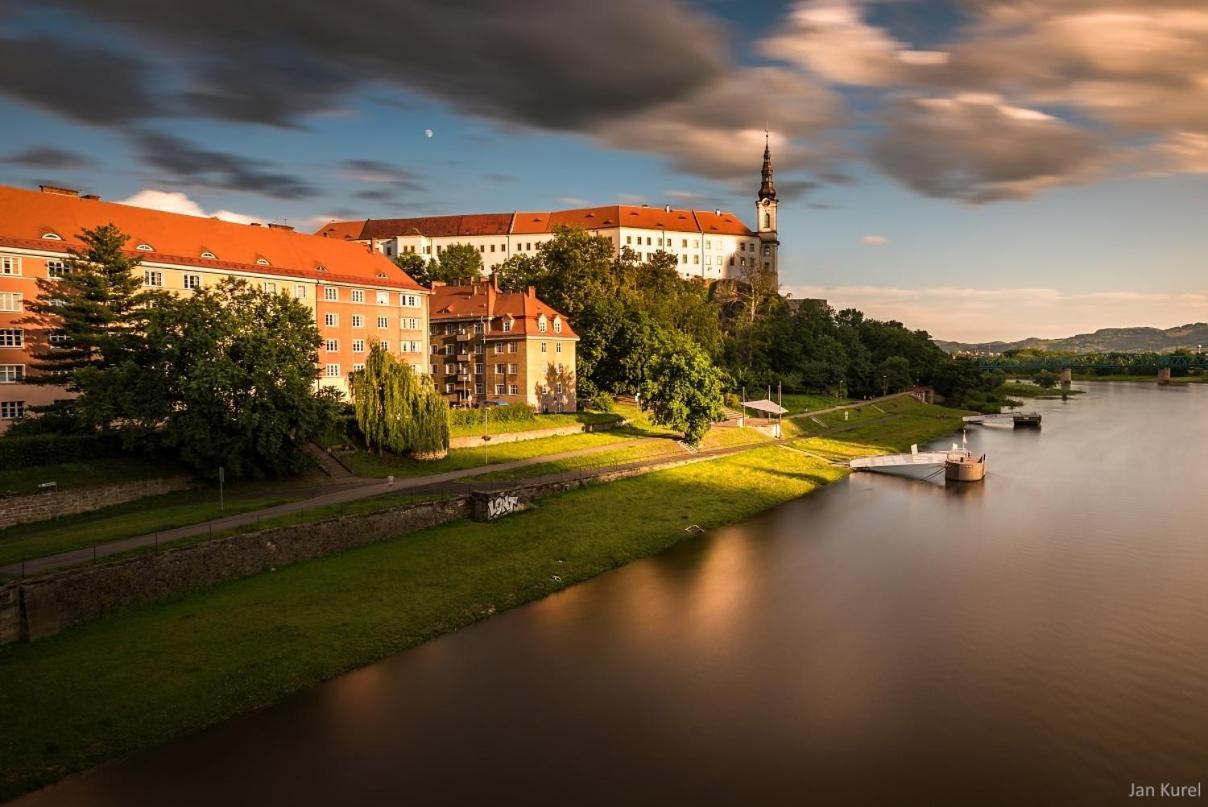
[{"x": 1040, "y": 638}]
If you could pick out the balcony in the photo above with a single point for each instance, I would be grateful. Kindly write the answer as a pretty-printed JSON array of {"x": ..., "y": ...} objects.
[
  {"x": 463, "y": 357},
  {"x": 464, "y": 337}
]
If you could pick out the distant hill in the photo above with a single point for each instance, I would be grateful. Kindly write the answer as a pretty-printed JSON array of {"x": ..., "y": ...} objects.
[{"x": 1104, "y": 340}]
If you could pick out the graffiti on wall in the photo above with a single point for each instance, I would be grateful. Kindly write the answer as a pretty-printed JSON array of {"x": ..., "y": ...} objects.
[{"x": 502, "y": 505}]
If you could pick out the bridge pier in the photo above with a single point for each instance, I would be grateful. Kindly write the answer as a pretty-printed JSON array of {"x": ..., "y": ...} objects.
[
  {"x": 1163, "y": 375},
  {"x": 1067, "y": 377}
]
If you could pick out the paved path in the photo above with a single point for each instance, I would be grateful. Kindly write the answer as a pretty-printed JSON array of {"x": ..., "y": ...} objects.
[{"x": 364, "y": 490}]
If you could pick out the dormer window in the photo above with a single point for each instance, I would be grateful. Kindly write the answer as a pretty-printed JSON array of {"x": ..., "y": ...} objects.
[
  {"x": 52, "y": 236},
  {"x": 209, "y": 256},
  {"x": 507, "y": 324},
  {"x": 557, "y": 325},
  {"x": 541, "y": 324},
  {"x": 145, "y": 247},
  {"x": 320, "y": 267},
  {"x": 262, "y": 261}
]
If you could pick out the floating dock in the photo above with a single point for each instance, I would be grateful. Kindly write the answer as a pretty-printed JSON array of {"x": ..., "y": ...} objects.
[
  {"x": 1017, "y": 418},
  {"x": 960, "y": 464}
]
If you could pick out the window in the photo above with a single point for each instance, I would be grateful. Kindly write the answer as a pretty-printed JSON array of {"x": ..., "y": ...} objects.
[
  {"x": 512, "y": 369},
  {"x": 767, "y": 250},
  {"x": 545, "y": 347},
  {"x": 383, "y": 298},
  {"x": 299, "y": 291},
  {"x": 478, "y": 388},
  {"x": 11, "y": 373},
  {"x": 684, "y": 244},
  {"x": 696, "y": 258},
  {"x": 56, "y": 269},
  {"x": 331, "y": 345},
  {"x": 479, "y": 369},
  {"x": 145, "y": 247},
  {"x": 209, "y": 255},
  {"x": 767, "y": 221},
  {"x": 499, "y": 388},
  {"x": 408, "y": 300},
  {"x": 557, "y": 325},
  {"x": 356, "y": 368},
  {"x": 410, "y": 323},
  {"x": 478, "y": 327},
  {"x": 558, "y": 347},
  {"x": 511, "y": 347},
  {"x": 500, "y": 369},
  {"x": 498, "y": 347},
  {"x": 358, "y": 345},
  {"x": 262, "y": 261},
  {"x": 358, "y": 295},
  {"x": 449, "y": 350},
  {"x": 52, "y": 236},
  {"x": 331, "y": 293},
  {"x": 10, "y": 301},
  {"x": 478, "y": 348},
  {"x": 408, "y": 346},
  {"x": 192, "y": 281},
  {"x": 10, "y": 265},
  {"x": 358, "y": 321},
  {"x": 12, "y": 337},
  {"x": 541, "y": 324},
  {"x": 708, "y": 260},
  {"x": 683, "y": 258},
  {"x": 450, "y": 369},
  {"x": 383, "y": 322},
  {"x": 434, "y": 368},
  {"x": 558, "y": 387},
  {"x": 12, "y": 410},
  {"x": 514, "y": 389},
  {"x": 57, "y": 338},
  {"x": 153, "y": 278},
  {"x": 269, "y": 287},
  {"x": 507, "y": 326},
  {"x": 332, "y": 371},
  {"x": 331, "y": 320}
]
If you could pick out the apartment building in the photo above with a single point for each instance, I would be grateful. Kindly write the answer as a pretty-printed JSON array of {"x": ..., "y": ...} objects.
[
  {"x": 708, "y": 244},
  {"x": 358, "y": 296},
  {"x": 501, "y": 347}
]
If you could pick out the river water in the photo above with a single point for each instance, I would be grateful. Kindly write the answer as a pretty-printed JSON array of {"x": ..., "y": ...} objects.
[{"x": 1040, "y": 638}]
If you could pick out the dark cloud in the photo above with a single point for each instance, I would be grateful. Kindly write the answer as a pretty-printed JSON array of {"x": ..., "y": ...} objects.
[
  {"x": 789, "y": 189},
  {"x": 184, "y": 163},
  {"x": 979, "y": 149},
  {"x": 377, "y": 171},
  {"x": 557, "y": 65},
  {"x": 47, "y": 157},
  {"x": 89, "y": 84}
]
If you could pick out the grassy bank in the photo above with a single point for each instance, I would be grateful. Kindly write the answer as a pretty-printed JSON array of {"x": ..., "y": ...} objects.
[
  {"x": 535, "y": 423},
  {"x": 1148, "y": 378},
  {"x": 83, "y": 473},
  {"x": 1022, "y": 389},
  {"x": 136, "y": 678}
]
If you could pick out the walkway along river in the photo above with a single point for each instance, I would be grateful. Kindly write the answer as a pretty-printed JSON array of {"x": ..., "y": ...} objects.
[{"x": 1040, "y": 638}]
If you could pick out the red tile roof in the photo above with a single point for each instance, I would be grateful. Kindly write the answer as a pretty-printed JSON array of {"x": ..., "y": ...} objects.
[
  {"x": 25, "y": 216},
  {"x": 524, "y": 222},
  {"x": 485, "y": 300}
]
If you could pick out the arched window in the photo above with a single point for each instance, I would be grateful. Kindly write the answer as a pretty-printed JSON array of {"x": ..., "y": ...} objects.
[
  {"x": 145, "y": 247},
  {"x": 52, "y": 236},
  {"x": 262, "y": 261},
  {"x": 767, "y": 221},
  {"x": 209, "y": 255}
]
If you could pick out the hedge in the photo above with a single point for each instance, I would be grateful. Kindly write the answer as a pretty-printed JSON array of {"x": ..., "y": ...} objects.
[
  {"x": 512, "y": 413},
  {"x": 50, "y": 449}
]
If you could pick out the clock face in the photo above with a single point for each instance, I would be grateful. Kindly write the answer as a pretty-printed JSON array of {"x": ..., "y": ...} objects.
[{"x": 766, "y": 202}]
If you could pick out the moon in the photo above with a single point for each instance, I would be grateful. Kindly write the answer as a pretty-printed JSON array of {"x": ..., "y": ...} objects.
[{"x": 428, "y": 133}]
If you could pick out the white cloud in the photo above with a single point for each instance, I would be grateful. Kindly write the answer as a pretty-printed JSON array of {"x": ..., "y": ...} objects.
[
  {"x": 875, "y": 240},
  {"x": 177, "y": 202},
  {"x": 983, "y": 315}
]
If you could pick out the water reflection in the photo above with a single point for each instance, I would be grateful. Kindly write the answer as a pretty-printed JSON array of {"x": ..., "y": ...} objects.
[{"x": 1039, "y": 638}]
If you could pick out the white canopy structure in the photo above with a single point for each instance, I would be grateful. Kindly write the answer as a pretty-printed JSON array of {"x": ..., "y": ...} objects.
[{"x": 764, "y": 405}]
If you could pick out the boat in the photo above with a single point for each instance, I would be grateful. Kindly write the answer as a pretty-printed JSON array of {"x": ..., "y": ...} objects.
[{"x": 962, "y": 465}]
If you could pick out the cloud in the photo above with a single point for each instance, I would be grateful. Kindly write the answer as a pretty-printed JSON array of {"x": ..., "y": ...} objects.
[
  {"x": 977, "y": 148},
  {"x": 830, "y": 38},
  {"x": 177, "y": 202},
  {"x": 874, "y": 240},
  {"x": 574, "y": 201},
  {"x": 182, "y": 162},
  {"x": 88, "y": 84},
  {"x": 49, "y": 157},
  {"x": 983, "y": 315}
]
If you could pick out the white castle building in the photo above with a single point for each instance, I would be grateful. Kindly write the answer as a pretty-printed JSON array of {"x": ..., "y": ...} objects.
[{"x": 708, "y": 244}]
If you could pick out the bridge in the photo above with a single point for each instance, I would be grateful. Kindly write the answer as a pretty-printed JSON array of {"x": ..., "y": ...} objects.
[{"x": 1067, "y": 365}]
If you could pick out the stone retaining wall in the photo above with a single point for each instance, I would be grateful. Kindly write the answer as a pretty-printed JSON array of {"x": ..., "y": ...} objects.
[
  {"x": 50, "y": 603},
  {"x": 475, "y": 441},
  {"x": 43, "y": 506}
]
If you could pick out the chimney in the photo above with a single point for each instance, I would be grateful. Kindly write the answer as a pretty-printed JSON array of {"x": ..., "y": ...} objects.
[
  {"x": 57, "y": 191},
  {"x": 272, "y": 226},
  {"x": 531, "y": 291},
  {"x": 717, "y": 211},
  {"x": 666, "y": 208}
]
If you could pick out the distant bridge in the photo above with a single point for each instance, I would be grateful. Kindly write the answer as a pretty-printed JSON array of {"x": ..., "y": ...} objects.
[{"x": 1128, "y": 363}]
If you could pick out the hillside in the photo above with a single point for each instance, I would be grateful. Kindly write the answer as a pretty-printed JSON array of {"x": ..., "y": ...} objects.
[{"x": 1125, "y": 340}]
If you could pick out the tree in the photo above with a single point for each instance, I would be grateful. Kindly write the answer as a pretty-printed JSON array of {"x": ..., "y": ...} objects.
[
  {"x": 893, "y": 373},
  {"x": 684, "y": 388},
  {"x": 459, "y": 263},
  {"x": 1046, "y": 379},
  {"x": 519, "y": 272},
  {"x": 397, "y": 410},
  {"x": 96, "y": 312},
  {"x": 415, "y": 266},
  {"x": 229, "y": 377}
]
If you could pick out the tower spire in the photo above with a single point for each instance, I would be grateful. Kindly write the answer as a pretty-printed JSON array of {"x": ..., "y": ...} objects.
[{"x": 767, "y": 190}]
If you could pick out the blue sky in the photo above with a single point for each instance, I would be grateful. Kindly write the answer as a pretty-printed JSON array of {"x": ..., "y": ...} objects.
[{"x": 980, "y": 169}]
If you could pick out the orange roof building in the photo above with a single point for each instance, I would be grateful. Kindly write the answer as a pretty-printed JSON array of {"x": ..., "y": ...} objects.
[
  {"x": 358, "y": 295},
  {"x": 707, "y": 244},
  {"x": 501, "y": 347}
]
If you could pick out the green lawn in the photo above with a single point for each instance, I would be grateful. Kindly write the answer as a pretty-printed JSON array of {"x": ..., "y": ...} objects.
[
  {"x": 798, "y": 402},
  {"x": 84, "y": 473},
  {"x": 536, "y": 423},
  {"x": 140, "y": 517},
  {"x": 135, "y": 678}
]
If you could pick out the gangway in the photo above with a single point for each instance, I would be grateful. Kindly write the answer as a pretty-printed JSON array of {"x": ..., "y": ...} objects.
[
  {"x": 959, "y": 464},
  {"x": 1016, "y": 418}
]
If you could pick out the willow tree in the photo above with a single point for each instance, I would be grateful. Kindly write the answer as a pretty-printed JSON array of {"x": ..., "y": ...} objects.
[{"x": 397, "y": 410}]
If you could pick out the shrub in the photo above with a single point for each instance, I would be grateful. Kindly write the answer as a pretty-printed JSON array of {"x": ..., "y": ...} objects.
[
  {"x": 602, "y": 403},
  {"x": 49, "y": 449},
  {"x": 512, "y": 413}
]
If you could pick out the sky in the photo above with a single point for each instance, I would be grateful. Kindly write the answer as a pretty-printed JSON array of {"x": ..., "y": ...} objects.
[{"x": 981, "y": 169}]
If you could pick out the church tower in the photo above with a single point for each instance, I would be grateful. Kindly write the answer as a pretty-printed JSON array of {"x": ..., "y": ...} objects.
[{"x": 765, "y": 215}]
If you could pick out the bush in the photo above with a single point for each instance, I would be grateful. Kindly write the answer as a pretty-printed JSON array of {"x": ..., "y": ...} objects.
[
  {"x": 602, "y": 403},
  {"x": 50, "y": 449},
  {"x": 512, "y": 413}
]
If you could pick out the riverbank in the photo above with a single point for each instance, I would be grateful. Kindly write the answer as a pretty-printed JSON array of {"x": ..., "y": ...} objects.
[{"x": 124, "y": 683}]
